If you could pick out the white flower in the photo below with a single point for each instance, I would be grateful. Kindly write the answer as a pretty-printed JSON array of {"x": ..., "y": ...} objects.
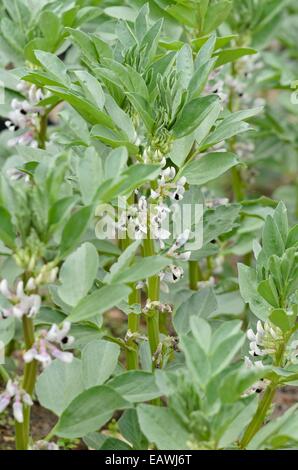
[
  {"x": 4, "y": 401},
  {"x": 17, "y": 408},
  {"x": 31, "y": 284},
  {"x": 166, "y": 186},
  {"x": 179, "y": 243},
  {"x": 45, "y": 346},
  {"x": 266, "y": 340},
  {"x": 261, "y": 384},
  {"x": 4, "y": 289},
  {"x": 15, "y": 394},
  {"x": 171, "y": 274},
  {"x": 22, "y": 304},
  {"x": 24, "y": 115}
]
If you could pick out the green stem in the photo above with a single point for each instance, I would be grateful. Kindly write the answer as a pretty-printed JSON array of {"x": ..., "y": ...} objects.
[
  {"x": 237, "y": 184},
  {"x": 23, "y": 429},
  {"x": 4, "y": 374},
  {"x": 264, "y": 405},
  {"x": 153, "y": 295},
  {"x": 193, "y": 267},
  {"x": 259, "y": 416},
  {"x": 42, "y": 134},
  {"x": 133, "y": 326}
]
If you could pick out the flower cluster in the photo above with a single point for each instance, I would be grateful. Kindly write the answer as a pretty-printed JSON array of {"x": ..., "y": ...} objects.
[
  {"x": 133, "y": 220},
  {"x": 23, "y": 301},
  {"x": 24, "y": 115},
  {"x": 156, "y": 305},
  {"x": 180, "y": 241},
  {"x": 14, "y": 393},
  {"x": 266, "y": 340},
  {"x": 261, "y": 384},
  {"x": 168, "y": 187},
  {"x": 48, "y": 345},
  {"x": 171, "y": 275}
]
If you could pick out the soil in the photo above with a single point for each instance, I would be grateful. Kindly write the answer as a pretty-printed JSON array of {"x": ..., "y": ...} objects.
[{"x": 43, "y": 420}]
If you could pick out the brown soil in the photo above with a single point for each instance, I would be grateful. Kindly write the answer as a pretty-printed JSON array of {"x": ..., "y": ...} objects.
[{"x": 43, "y": 420}]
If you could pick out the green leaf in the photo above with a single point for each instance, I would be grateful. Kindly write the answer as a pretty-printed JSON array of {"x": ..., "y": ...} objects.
[
  {"x": 216, "y": 14},
  {"x": 84, "y": 107},
  {"x": 131, "y": 431},
  {"x": 78, "y": 273},
  {"x": 120, "y": 118},
  {"x": 231, "y": 55},
  {"x": 193, "y": 115},
  {"x": 142, "y": 269},
  {"x": 268, "y": 291},
  {"x": 225, "y": 352},
  {"x": 99, "y": 360},
  {"x": 184, "y": 65},
  {"x": 239, "y": 422},
  {"x": 7, "y": 233},
  {"x": 282, "y": 319},
  {"x": 115, "y": 162},
  {"x": 284, "y": 427},
  {"x": 7, "y": 330},
  {"x": 54, "y": 67},
  {"x": 90, "y": 174},
  {"x": 292, "y": 239},
  {"x": 123, "y": 13},
  {"x": 99, "y": 302},
  {"x": 97, "y": 441},
  {"x": 205, "y": 53},
  {"x": 60, "y": 211},
  {"x": 143, "y": 107},
  {"x": 180, "y": 149},
  {"x": 196, "y": 360},
  {"x": 135, "y": 386},
  {"x": 209, "y": 167},
  {"x": 89, "y": 411},
  {"x": 248, "y": 290},
  {"x": 162, "y": 427},
  {"x": 74, "y": 229},
  {"x": 236, "y": 382},
  {"x": 123, "y": 261},
  {"x": 272, "y": 240},
  {"x": 230, "y": 126},
  {"x": 202, "y": 303},
  {"x": 113, "y": 138},
  {"x": 50, "y": 26},
  {"x": 280, "y": 217},
  {"x": 219, "y": 221},
  {"x": 92, "y": 88},
  {"x": 59, "y": 384}
]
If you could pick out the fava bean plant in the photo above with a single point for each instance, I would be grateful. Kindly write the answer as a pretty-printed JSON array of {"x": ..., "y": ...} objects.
[{"x": 148, "y": 223}]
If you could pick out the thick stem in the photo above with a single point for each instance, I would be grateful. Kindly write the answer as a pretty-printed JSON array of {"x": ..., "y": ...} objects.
[
  {"x": 193, "y": 268},
  {"x": 23, "y": 429},
  {"x": 259, "y": 416},
  {"x": 133, "y": 327},
  {"x": 42, "y": 134},
  {"x": 4, "y": 374},
  {"x": 264, "y": 405},
  {"x": 153, "y": 295},
  {"x": 237, "y": 184}
]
